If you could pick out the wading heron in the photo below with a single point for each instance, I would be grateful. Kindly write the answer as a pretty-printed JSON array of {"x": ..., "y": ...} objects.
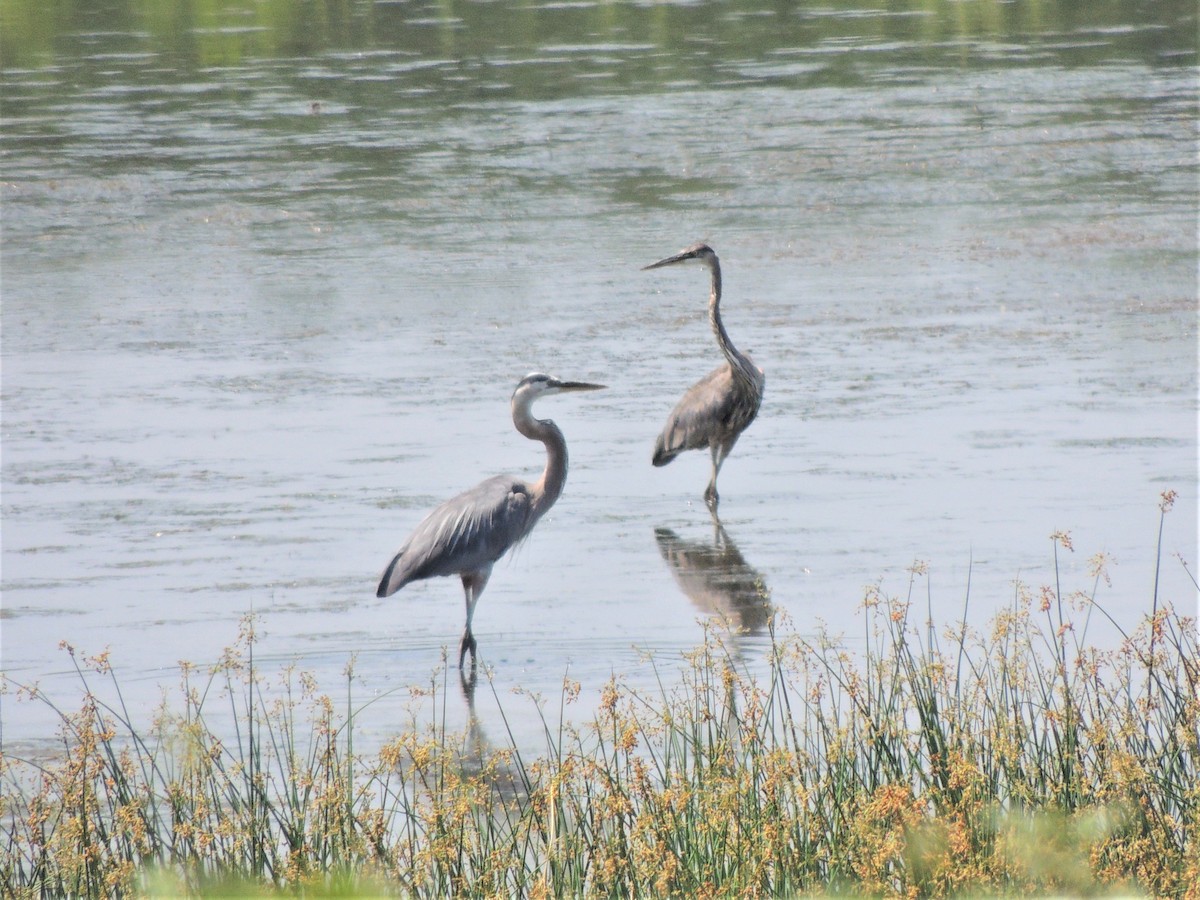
[
  {"x": 716, "y": 409},
  {"x": 467, "y": 534}
]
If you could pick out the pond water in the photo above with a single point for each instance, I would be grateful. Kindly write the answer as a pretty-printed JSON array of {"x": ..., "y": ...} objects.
[{"x": 271, "y": 272}]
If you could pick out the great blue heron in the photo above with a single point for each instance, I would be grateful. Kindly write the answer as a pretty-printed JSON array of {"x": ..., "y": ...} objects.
[
  {"x": 467, "y": 534},
  {"x": 716, "y": 409}
]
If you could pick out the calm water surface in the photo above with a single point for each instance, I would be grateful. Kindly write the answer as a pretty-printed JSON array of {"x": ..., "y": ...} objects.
[{"x": 268, "y": 284}]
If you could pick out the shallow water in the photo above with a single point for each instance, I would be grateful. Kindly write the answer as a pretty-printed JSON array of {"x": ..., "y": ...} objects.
[{"x": 268, "y": 285}]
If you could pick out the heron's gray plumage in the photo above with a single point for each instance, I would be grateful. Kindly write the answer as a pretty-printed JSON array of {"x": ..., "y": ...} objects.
[
  {"x": 717, "y": 407},
  {"x": 468, "y": 533},
  {"x": 714, "y": 411}
]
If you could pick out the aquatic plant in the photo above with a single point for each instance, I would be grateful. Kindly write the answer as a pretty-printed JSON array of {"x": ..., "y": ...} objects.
[{"x": 1011, "y": 759}]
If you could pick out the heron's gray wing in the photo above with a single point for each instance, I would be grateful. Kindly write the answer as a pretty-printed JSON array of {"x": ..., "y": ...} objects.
[
  {"x": 465, "y": 534},
  {"x": 711, "y": 409}
]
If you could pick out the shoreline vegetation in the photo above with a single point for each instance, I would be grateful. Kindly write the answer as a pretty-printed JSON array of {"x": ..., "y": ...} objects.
[{"x": 1011, "y": 759}]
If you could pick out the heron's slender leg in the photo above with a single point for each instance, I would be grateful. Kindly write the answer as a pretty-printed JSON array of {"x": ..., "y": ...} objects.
[
  {"x": 473, "y": 585},
  {"x": 468, "y": 639},
  {"x": 710, "y": 492}
]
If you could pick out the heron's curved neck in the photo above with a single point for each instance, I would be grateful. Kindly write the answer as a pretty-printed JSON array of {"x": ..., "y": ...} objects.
[
  {"x": 548, "y": 488},
  {"x": 741, "y": 365}
]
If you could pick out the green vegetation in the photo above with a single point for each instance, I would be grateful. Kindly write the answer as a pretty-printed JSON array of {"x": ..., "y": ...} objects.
[
  {"x": 218, "y": 33},
  {"x": 1012, "y": 760}
]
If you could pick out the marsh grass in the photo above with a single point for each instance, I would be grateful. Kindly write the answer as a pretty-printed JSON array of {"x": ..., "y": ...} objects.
[{"x": 1010, "y": 760}]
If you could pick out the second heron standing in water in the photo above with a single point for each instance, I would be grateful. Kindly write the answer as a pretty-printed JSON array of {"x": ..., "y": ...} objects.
[{"x": 716, "y": 409}]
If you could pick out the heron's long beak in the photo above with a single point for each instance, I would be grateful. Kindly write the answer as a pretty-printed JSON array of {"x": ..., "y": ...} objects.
[
  {"x": 566, "y": 386},
  {"x": 678, "y": 257}
]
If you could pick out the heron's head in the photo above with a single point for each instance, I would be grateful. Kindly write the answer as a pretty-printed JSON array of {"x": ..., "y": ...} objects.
[
  {"x": 700, "y": 252},
  {"x": 539, "y": 384}
]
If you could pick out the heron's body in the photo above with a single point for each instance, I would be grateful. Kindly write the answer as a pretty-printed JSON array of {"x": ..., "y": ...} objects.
[
  {"x": 714, "y": 411},
  {"x": 467, "y": 534}
]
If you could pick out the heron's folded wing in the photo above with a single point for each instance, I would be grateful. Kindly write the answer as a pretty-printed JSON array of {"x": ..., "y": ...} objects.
[
  {"x": 466, "y": 533},
  {"x": 705, "y": 410}
]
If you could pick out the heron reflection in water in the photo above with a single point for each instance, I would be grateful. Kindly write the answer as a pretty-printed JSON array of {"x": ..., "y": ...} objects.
[
  {"x": 716, "y": 578},
  {"x": 474, "y": 757},
  {"x": 480, "y": 759}
]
